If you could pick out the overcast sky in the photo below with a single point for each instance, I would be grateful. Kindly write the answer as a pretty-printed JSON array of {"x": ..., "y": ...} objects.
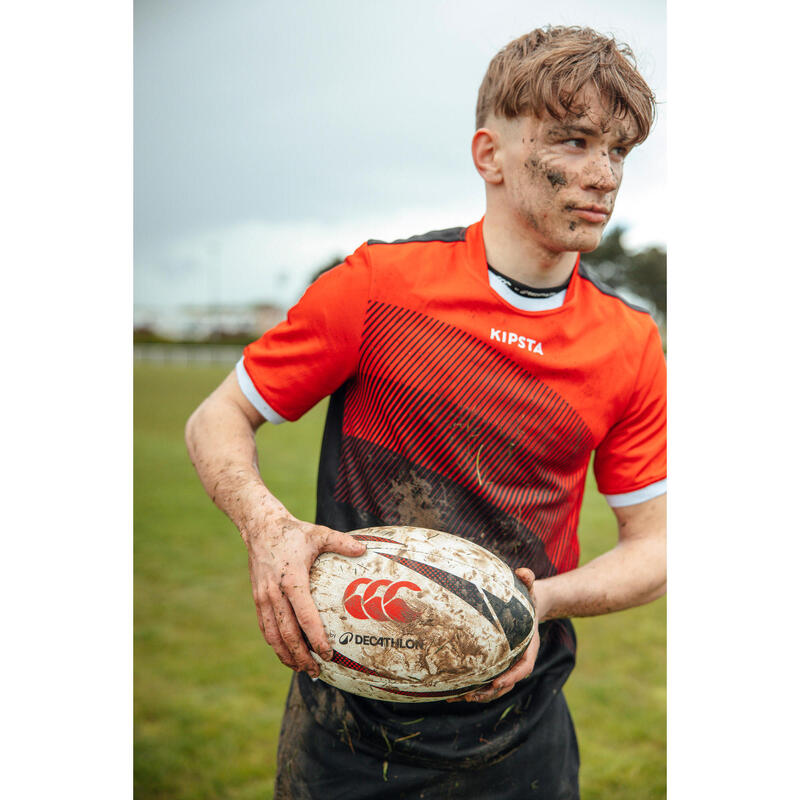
[{"x": 270, "y": 136}]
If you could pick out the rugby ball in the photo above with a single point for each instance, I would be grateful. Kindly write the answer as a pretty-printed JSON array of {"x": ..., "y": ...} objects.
[{"x": 422, "y": 616}]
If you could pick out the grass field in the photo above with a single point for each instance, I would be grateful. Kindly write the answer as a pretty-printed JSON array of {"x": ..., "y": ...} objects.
[{"x": 209, "y": 692}]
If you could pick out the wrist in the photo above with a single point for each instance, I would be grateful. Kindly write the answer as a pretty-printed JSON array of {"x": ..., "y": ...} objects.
[
  {"x": 256, "y": 510},
  {"x": 542, "y": 600}
]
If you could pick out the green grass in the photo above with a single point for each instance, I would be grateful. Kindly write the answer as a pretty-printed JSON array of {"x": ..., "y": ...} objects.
[
  {"x": 617, "y": 693},
  {"x": 209, "y": 693}
]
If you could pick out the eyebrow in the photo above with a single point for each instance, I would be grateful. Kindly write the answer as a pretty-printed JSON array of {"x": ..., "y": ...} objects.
[{"x": 586, "y": 130}]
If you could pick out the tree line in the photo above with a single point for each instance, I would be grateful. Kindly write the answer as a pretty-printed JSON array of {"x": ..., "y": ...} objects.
[{"x": 639, "y": 275}]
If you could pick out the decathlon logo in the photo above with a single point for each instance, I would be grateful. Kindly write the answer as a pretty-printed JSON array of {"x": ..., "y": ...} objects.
[
  {"x": 382, "y": 607},
  {"x": 382, "y": 641}
]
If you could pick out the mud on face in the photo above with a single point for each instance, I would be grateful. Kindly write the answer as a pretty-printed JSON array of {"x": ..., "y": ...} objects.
[{"x": 537, "y": 168}]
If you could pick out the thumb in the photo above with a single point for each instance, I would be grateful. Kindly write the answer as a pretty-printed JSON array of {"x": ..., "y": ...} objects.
[
  {"x": 342, "y": 543},
  {"x": 526, "y": 576}
]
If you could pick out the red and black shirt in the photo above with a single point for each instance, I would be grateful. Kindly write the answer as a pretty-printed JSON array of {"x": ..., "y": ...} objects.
[
  {"x": 458, "y": 407},
  {"x": 455, "y": 410}
]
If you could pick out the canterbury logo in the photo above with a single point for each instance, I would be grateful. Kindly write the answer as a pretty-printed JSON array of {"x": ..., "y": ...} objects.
[{"x": 385, "y": 607}]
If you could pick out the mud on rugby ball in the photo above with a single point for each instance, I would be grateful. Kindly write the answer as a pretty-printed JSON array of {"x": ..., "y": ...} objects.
[{"x": 423, "y": 615}]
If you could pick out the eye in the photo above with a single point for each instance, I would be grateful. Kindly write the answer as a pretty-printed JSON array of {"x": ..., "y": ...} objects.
[
  {"x": 620, "y": 152},
  {"x": 576, "y": 142}
]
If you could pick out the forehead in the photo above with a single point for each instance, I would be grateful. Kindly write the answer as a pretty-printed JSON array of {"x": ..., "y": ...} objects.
[
  {"x": 618, "y": 129},
  {"x": 589, "y": 116}
]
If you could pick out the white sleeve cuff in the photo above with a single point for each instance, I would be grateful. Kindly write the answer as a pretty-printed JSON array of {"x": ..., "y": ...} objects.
[
  {"x": 639, "y": 496},
  {"x": 251, "y": 393}
]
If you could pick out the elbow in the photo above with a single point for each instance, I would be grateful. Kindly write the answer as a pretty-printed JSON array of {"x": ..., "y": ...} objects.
[
  {"x": 658, "y": 572},
  {"x": 189, "y": 432},
  {"x": 659, "y": 587}
]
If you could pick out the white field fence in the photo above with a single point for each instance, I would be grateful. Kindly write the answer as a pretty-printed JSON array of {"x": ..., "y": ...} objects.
[{"x": 188, "y": 355}]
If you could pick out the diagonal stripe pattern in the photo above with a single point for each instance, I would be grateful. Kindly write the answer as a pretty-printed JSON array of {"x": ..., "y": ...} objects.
[{"x": 454, "y": 408}]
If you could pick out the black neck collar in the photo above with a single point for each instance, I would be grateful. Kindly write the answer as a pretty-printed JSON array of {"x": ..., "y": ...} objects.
[{"x": 524, "y": 290}]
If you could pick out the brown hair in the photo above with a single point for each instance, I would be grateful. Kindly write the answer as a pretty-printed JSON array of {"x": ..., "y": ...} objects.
[{"x": 546, "y": 69}]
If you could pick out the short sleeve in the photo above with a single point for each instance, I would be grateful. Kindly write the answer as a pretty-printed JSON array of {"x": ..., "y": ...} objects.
[
  {"x": 633, "y": 455},
  {"x": 314, "y": 350}
]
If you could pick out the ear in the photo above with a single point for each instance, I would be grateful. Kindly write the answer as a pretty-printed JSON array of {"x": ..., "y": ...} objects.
[{"x": 485, "y": 155}]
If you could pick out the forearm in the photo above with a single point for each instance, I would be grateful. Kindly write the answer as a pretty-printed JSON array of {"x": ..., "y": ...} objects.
[
  {"x": 631, "y": 574},
  {"x": 220, "y": 437},
  {"x": 221, "y": 444}
]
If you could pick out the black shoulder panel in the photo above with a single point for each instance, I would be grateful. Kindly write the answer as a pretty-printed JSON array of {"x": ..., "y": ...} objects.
[
  {"x": 446, "y": 235},
  {"x": 605, "y": 289}
]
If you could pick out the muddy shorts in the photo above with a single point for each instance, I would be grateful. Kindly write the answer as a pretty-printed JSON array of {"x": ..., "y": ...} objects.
[{"x": 316, "y": 762}]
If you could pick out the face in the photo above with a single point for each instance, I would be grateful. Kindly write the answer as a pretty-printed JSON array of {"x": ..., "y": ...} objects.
[{"x": 561, "y": 177}]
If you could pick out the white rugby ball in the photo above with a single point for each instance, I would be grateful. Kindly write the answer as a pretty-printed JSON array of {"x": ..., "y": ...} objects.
[{"x": 422, "y": 616}]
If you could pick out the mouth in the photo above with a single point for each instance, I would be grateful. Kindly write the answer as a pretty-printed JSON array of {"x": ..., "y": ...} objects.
[{"x": 591, "y": 213}]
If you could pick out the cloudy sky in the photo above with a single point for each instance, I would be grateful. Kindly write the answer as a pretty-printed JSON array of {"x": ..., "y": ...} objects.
[{"x": 270, "y": 136}]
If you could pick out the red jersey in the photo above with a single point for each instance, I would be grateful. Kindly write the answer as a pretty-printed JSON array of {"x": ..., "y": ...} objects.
[{"x": 453, "y": 409}]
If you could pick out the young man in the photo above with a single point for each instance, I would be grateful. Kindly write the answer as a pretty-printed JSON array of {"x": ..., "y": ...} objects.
[{"x": 487, "y": 341}]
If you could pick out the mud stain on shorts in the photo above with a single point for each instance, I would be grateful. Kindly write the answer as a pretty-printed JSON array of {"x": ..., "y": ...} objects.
[{"x": 294, "y": 729}]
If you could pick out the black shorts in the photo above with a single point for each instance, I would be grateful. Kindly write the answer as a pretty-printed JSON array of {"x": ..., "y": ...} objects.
[{"x": 316, "y": 763}]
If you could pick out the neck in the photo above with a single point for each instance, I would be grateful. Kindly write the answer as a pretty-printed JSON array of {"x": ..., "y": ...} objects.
[{"x": 512, "y": 248}]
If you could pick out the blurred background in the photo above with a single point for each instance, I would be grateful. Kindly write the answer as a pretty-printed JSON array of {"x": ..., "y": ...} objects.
[
  {"x": 270, "y": 140},
  {"x": 274, "y": 138}
]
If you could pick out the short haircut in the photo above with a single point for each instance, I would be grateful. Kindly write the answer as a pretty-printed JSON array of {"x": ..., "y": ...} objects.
[{"x": 546, "y": 69}]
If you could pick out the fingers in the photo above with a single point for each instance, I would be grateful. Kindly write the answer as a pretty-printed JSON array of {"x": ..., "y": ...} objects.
[
  {"x": 279, "y": 573},
  {"x": 270, "y": 631},
  {"x": 524, "y": 666},
  {"x": 279, "y": 626},
  {"x": 307, "y": 616},
  {"x": 291, "y": 634},
  {"x": 285, "y": 608},
  {"x": 299, "y": 595},
  {"x": 505, "y": 683}
]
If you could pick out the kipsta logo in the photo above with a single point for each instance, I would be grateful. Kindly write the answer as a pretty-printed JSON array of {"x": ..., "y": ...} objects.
[
  {"x": 346, "y": 638},
  {"x": 385, "y": 607}
]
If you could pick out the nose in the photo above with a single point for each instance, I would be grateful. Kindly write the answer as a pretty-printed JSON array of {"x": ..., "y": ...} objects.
[{"x": 601, "y": 174}]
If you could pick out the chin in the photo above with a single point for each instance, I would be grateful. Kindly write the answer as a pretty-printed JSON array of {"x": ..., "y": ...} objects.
[{"x": 586, "y": 241}]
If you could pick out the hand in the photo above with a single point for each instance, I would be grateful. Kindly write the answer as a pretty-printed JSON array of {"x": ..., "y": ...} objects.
[
  {"x": 504, "y": 683},
  {"x": 281, "y": 551}
]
